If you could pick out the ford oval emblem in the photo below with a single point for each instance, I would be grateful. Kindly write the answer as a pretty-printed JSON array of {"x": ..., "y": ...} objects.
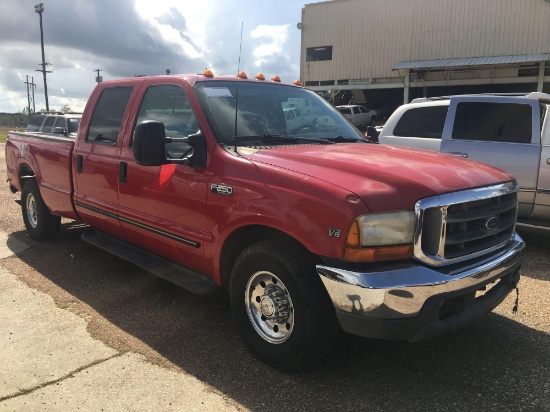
[{"x": 491, "y": 223}]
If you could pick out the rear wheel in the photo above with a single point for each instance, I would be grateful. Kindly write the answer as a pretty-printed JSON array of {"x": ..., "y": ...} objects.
[
  {"x": 280, "y": 306},
  {"x": 40, "y": 223}
]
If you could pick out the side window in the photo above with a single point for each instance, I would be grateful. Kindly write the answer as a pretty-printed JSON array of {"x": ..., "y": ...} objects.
[
  {"x": 169, "y": 104},
  {"x": 355, "y": 110},
  {"x": 362, "y": 109},
  {"x": 108, "y": 113},
  {"x": 48, "y": 125},
  {"x": 425, "y": 122},
  {"x": 493, "y": 122},
  {"x": 35, "y": 123},
  {"x": 60, "y": 122}
]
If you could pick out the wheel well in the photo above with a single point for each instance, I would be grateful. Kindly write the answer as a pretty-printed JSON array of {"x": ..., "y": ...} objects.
[
  {"x": 25, "y": 172},
  {"x": 243, "y": 238}
]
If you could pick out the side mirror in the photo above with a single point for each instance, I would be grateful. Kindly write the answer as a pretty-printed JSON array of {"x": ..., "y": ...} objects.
[
  {"x": 149, "y": 143},
  {"x": 150, "y": 146},
  {"x": 372, "y": 134}
]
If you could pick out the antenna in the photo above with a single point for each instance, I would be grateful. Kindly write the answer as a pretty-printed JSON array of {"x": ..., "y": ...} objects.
[
  {"x": 240, "y": 48},
  {"x": 237, "y": 89}
]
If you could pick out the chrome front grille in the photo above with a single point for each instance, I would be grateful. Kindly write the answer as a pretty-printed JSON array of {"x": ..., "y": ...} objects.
[{"x": 458, "y": 226}]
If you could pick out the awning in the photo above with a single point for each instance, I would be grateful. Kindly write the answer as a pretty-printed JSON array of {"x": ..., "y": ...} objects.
[{"x": 473, "y": 61}]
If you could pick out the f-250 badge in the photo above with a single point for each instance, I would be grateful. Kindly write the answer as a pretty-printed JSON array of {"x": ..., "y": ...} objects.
[{"x": 221, "y": 189}]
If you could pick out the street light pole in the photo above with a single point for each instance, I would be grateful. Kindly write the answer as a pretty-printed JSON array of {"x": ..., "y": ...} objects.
[{"x": 39, "y": 8}]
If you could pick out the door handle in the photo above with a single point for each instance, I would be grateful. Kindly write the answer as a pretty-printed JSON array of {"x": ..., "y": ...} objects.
[
  {"x": 79, "y": 163},
  {"x": 548, "y": 161},
  {"x": 123, "y": 172},
  {"x": 459, "y": 154}
]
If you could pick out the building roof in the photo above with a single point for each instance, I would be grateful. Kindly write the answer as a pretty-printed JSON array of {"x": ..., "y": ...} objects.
[{"x": 472, "y": 61}]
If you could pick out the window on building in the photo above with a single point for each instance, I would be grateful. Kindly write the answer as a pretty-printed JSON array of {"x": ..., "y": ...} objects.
[
  {"x": 316, "y": 54},
  {"x": 426, "y": 122},
  {"x": 108, "y": 113},
  {"x": 494, "y": 122}
]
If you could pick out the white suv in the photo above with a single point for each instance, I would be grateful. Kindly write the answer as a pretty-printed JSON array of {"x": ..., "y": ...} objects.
[{"x": 417, "y": 124}]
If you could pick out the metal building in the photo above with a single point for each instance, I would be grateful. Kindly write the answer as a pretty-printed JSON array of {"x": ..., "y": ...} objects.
[{"x": 385, "y": 52}]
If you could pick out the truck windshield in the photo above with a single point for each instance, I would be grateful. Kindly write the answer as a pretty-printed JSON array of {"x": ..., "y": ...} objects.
[{"x": 239, "y": 112}]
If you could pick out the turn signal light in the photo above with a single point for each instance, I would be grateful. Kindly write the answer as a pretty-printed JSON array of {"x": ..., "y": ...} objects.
[
  {"x": 276, "y": 79},
  {"x": 260, "y": 76},
  {"x": 242, "y": 75},
  {"x": 378, "y": 254}
]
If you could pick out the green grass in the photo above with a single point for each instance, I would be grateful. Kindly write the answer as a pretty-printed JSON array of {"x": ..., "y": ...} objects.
[{"x": 4, "y": 133}]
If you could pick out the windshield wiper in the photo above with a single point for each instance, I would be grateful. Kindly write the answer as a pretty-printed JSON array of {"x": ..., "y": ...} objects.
[
  {"x": 280, "y": 137},
  {"x": 343, "y": 139}
]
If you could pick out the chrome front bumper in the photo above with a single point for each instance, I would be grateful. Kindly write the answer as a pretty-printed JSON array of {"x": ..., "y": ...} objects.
[{"x": 417, "y": 301}]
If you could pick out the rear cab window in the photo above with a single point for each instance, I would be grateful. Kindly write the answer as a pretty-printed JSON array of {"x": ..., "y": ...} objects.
[{"x": 424, "y": 122}]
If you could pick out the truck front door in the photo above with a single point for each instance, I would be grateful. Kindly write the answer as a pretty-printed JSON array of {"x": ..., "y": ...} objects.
[
  {"x": 163, "y": 208},
  {"x": 500, "y": 131}
]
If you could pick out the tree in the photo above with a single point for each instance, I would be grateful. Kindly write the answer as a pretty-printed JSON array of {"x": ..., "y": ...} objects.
[{"x": 65, "y": 108}]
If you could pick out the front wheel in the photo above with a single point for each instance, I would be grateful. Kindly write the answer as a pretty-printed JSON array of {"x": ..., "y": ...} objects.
[
  {"x": 40, "y": 223},
  {"x": 280, "y": 306}
]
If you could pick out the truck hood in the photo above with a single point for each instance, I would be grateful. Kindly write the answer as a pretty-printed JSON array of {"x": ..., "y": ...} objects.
[{"x": 384, "y": 177}]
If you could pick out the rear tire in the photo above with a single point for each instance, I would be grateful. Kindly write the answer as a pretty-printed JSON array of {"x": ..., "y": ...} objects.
[
  {"x": 280, "y": 306},
  {"x": 40, "y": 223}
]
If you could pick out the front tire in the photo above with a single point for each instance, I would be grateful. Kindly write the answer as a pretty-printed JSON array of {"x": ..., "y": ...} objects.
[
  {"x": 280, "y": 306},
  {"x": 40, "y": 223}
]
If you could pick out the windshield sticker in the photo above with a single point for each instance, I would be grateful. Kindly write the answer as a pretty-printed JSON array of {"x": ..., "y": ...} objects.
[{"x": 217, "y": 92}]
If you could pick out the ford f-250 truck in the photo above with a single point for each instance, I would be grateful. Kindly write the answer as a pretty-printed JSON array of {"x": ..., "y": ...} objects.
[{"x": 197, "y": 179}]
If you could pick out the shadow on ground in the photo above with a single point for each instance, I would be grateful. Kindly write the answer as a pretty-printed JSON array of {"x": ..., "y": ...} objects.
[{"x": 494, "y": 364}]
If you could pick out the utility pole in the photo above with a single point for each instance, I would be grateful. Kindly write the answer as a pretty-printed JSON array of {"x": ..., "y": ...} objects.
[
  {"x": 39, "y": 8},
  {"x": 30, "y": 85},
  {"x": 33, "y": 89},
  {"x": 99, "y": 78}
]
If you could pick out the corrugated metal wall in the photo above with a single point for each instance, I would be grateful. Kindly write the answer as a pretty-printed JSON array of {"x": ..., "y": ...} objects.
[{"x": 371, "y": 36}]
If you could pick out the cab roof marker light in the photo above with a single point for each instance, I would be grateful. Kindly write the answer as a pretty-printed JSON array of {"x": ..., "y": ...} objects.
[
  {"x": 260, "y": 76},
  {"x": 242, "y": 75},
  {"x": 208, "y": 73},
  {"x": 276, "y": 79},
  {"x": 297, "y": 83}
]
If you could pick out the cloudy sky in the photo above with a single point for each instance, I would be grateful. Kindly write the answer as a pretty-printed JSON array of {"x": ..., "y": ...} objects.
[{"x": 129, "y": 37}]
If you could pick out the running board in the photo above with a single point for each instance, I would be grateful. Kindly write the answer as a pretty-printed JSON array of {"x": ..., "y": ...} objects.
[{"x": 179, "y": 275}]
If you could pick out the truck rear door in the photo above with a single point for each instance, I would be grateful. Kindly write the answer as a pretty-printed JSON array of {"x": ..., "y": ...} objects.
[
  {"x": 95, "y": 159},
  {"x": 502, "y": 131}
]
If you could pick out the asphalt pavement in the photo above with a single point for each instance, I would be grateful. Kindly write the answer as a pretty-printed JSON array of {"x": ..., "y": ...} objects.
[{"x": 82, "y": 330}]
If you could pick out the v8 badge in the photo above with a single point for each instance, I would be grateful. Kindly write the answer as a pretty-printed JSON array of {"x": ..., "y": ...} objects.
[{"x": 332, "y": 232}]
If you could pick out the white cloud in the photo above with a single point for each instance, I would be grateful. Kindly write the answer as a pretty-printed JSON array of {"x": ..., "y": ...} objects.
[{"x": 273, "y": 39}]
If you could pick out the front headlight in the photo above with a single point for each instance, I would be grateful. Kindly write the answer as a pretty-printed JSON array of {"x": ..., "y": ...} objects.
[{"x": 380, "y": 236}]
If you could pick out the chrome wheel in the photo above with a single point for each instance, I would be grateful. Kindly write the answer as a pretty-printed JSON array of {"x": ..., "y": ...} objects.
[
  {"x": 269, "y": 307},
  {"x": 32, "y": 214}
]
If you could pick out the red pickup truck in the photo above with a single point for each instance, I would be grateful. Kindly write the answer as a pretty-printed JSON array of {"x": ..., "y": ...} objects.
[{"x": 200, "y": 180}]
